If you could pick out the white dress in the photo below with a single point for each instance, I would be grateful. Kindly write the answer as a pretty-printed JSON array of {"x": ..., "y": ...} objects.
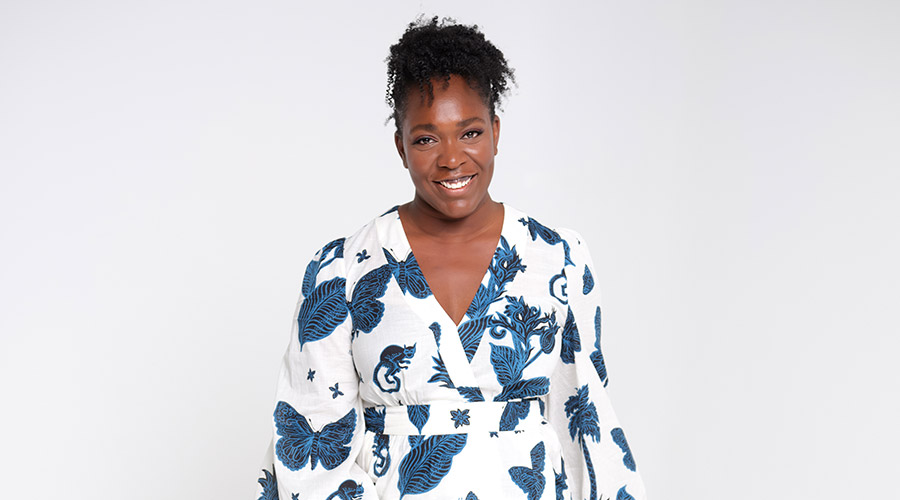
[{"x": 382, "y": 396}]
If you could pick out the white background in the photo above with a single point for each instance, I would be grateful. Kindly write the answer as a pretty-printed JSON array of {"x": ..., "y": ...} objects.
[{"x": 169, "y": 167}]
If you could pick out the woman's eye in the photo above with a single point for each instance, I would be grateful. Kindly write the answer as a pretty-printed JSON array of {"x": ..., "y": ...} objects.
[
  {"x": 472, "y": 134},
  {"x": 423, "y": 140}
]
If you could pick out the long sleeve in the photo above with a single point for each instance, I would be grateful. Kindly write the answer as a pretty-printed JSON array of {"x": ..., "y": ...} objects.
[
  {"x": 598, "y": 461},
  {"x": 318, "y": 426}
]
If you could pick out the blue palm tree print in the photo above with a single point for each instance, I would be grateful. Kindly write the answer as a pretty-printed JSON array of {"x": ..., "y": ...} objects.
[{"x": 584, "y": 423}]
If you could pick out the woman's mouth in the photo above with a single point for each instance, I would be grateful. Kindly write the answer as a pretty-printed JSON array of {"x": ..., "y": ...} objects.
[{"x": 456, "y": 184}]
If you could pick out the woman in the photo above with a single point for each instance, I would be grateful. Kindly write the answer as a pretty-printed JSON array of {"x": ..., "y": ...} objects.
[{"x": 450, "y": 347}]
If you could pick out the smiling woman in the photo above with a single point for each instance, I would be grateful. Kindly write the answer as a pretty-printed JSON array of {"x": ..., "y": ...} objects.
[{"x": 450, "y": 348}]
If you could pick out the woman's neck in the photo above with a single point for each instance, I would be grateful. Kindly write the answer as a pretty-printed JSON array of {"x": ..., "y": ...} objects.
[{"x": 423, "y": 220}]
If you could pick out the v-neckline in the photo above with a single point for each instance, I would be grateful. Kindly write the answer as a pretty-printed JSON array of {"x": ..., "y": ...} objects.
[{"x": 484, "y": 275}]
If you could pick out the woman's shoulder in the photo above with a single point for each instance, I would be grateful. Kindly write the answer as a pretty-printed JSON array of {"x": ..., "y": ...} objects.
[{"x": 540, "y": 229}]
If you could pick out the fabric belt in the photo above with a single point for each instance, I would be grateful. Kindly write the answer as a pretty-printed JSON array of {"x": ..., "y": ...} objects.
[{"x": 447, "y": 417}]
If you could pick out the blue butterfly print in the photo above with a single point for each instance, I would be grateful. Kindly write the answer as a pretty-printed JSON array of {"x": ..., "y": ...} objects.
[
  {"x": 311, "y": 374},
  {"x": 348, "y": 490},
  {"x": 618, "y": 436},
  {"x": 571, "y": 342},
  {"x": 322, "y": 311},
  {"x": 597, "y": 355},
  {"x": 428, "y": 462},
  {"x": 299, "y": 443},
  {"x": 460, "y": 418},
  {"x": 269, "y": 486},
  {"x": 561, "y": 480},
  {"x": 531, "y": 480},
  {"x": 335, "y": 392},
  {"x": 366, "y": 310},
  {"x": 361, "y": 256},
  {"x": 408, "y": 275},
  {"x": 623, "y": 495},
  {"x": 551, "y": 237},
  {"x": 588, "y": 280},
  {"x": 418, "y": 415},
  {"x": 514, "y": 412}
]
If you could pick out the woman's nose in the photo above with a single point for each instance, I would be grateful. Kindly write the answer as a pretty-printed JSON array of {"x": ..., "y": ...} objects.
[{"x": 451, "y": 155}]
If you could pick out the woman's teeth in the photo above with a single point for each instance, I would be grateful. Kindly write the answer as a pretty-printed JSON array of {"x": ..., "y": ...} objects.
[{"x": 456, "y": 183}]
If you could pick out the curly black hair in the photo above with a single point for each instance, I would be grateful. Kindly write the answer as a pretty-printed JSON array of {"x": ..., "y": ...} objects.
[{"x": 432, "y": 49}]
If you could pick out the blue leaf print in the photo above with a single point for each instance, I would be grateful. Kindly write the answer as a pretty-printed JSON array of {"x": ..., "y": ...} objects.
[
  {"x": 597, "y": 355},
  {"x": 269, "y": 486},
  {"x": 504, "y": 266},
  {"x": 571, "y": 342},
  {"x": 441, "y": 377},
  {"x": 408, "y": 275},
  {"x": 506, "y": 363},
  {"x": 348, "y": 490},
  {"x": 436, "y": 330},
  {"x": 460, "y": 418},
  {"x": 316, "y": 265},
  {"x": 366, "y": 310},
  {"x": 531, "y": 480},
  {"x": 322, "y": 311},
  {"x": 299, "y": 443},
  {"x": 374, "y": 419},
  {"x": 623, "y": 495},
  {"x": 415, "y": 440},
  {"x": 470, "y": 334},
  {"x": 561, "y": 480},
  {"x": 524, "y": 389},
  {"x": 423, "y": 468},
  {"x": 618, "y": 436},
  {"x": 418, "y": 415},
  {"x": 588, "y": 280},
  {"x": 472, "y": 394},
  {"x": 514, "y": 412}
]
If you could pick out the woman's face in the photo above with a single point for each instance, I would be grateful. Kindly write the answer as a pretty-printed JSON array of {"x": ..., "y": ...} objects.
[{"x": 449, "y": 148}]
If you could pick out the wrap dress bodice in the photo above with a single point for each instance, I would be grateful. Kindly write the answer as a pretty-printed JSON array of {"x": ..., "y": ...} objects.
[{"x": 382, "y": 396}]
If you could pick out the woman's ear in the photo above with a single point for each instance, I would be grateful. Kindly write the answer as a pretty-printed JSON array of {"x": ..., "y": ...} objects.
[
  {"x": 398, "y": 141},
  {"x": 496, "y": 126}
]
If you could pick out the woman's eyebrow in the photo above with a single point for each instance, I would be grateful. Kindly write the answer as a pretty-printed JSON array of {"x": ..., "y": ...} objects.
[{"x": 430, "y": 127}]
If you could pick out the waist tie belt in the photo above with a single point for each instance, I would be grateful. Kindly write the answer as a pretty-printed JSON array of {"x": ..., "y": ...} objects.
[{"x": 446, "y": 417}]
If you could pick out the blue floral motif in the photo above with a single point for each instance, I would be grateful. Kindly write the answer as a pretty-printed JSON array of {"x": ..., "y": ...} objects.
[
  {"x": 408, "y": 275},
  {"x": 588, "y": 280},
  {"x": 361, "y": 256},
  {"x": 460, "y": 418},
  {"x": 269, "y": 486},
  {"x": 311, "y": 375},
  {"x": 522, "y": 322},
  {"x": 335, "y": 391},
  {"x": 584, "y": 422},
  {"x": 618, "y": 436},
  {"x": 299, "y": 443},
  {"x": 531, "y": 480}
]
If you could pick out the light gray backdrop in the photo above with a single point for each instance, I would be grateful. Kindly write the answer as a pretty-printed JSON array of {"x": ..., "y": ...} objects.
[{"x": 169, "y": 167}]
